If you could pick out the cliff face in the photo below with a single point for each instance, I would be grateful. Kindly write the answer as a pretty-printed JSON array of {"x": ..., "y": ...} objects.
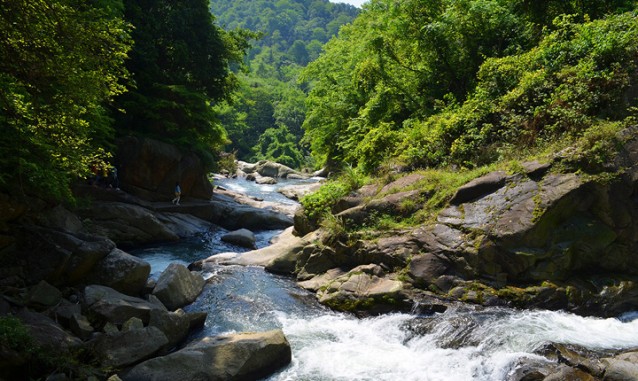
[
  {"x": 149, "y": 169},
  {"x": 540, "y": 237}
]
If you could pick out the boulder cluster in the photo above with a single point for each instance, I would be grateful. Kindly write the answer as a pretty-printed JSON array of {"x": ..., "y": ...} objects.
[{"x": 92, "y": 311}]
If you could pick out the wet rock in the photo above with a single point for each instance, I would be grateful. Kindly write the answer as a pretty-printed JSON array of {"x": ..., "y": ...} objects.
[
  {"x": 184, "y": 225},
  {"x": 363, "y": 289},
  {"x": 177, "y": 286},
  {"x": 242, "y": 237},
  {"x": 244, "y": 356},
  {"x": 122, "y": 272},
  {"x": 623, "y": 367},
  {"x": 264, "y": 180}
]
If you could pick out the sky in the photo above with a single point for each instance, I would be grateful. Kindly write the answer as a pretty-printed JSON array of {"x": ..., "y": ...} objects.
[{"x": 356, "y": 3}]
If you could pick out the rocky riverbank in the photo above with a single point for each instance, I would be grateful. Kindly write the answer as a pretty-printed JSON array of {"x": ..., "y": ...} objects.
[
  {"x": 539, "y": 237},
  {"x": 89, "y": 308}
]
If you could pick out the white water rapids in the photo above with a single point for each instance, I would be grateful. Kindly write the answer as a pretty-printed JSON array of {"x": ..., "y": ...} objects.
[
  {"x": 466, "y": 344},
  {"x": 339, "y": 347}
]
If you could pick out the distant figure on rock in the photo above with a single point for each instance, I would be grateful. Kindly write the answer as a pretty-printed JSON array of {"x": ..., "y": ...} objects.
[{"x": 178, "y": 194}]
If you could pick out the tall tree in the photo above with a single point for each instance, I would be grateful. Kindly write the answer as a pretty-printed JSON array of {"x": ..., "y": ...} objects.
[
  {"x": 180, "y": 65},
  {"x": 62, "y": 60}
]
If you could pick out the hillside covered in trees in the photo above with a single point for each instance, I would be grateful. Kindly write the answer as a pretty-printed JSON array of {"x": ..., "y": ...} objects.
[
  {"x": 265, "y": 116},
  {"x": 466, "y": 83}
]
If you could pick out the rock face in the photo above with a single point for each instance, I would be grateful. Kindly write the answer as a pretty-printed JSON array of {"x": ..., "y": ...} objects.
[
  {"x": 177, "y": 286},
  {"x": 245, "y": 356},
  {"x": 108, "y": 305},
  {"x": 150, "y": 169},
  {"x": 537, "y": 238}
]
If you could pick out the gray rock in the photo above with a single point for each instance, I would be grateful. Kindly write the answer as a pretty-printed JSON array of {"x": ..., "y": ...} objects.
[
  {"x": 175, "y": 325},
  {"x": 80, "y": 326},
  {"x": 112, "y": 306},
  {"x": 127, "y": 348},
  {"x": 427, "y": 268},
  {"x": 244, "y": 356},
  {"x": 47, "y": 333},
  {"x": 43, "y": 295},
  {"x": 265, "y": 180},
  {"x": 150, "y": 168},
  {"x": 122, "y": 272},
  {"x": 127, "y": 224},
  {"x": 69, "y": 258},
  {"x": 177, "y": 286},
  {"x": 184, "y": 225},
  {"x": 132, "y": 324},
  {"x": 479, "y": 187},
  {"x": 242, "y": 237},
  {"x": 621, "y": 368}
]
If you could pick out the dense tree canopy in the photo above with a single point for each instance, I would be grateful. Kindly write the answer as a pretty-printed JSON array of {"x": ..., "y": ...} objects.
[
  {"x": 179, "y": 65},
  {"x": 62, "y": 60},
  {"x": 458, "y": 81},
  {"x": 270, "y": 100}
]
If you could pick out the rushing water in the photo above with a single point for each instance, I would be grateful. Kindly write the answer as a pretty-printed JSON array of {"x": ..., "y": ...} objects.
[{"x": 460, "y": 344}]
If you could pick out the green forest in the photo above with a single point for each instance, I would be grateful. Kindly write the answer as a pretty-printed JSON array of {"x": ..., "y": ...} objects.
[
  {"x": 408, "y": 84},
  {"x": 264, "y": 117}
]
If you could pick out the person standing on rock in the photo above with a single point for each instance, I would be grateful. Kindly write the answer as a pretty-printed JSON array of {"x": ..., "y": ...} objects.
[{"x": 178, "y": 194}]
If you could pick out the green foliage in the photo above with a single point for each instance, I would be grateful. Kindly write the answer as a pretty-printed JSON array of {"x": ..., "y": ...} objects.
[
  {"x": 468, "y": 83},
  {"x": 66, "y": 61},
  {"x": 40, "y": 362},
  {"x": 264, "y": 119},
  {"x": 15, "y": 336},
  {"x": 181, "y": 63},
  {"x": 319, "y": 204}
]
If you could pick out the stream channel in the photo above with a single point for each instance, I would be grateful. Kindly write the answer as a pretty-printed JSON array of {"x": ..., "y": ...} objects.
[{"x": 459, "y": 344}]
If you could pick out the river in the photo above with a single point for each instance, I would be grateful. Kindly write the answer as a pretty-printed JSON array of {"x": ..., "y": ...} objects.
[{"x": 460, "y": 344}]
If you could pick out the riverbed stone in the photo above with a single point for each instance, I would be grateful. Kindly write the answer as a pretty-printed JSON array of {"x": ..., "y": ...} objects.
[
  {"x": 43, "y": 295},
  {"x": 111, "y": 306},
  {"x": 128, "y": 347},
  {"x": 121, "y": 271},
  {"x": 242, "y": 237},
  {"x": 623, "y": 367},
  {"x": 243, "y": 356},
  {"x": 177, "y": 286}
]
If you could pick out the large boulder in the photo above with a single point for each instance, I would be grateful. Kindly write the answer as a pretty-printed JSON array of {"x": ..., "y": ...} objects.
[
  {"x": 69, "y": 257},
  {"x": 364, "y": 288},
  {"x": 120, "y": 349},
  {"x": 108, "y": 305},
  {"x": 122, "y": 272},
  {"x": 242, "y": 237},
  {"x": 149, "y": 169},
  {"x": 244, "y": 356},
  {"x": 268, "y": 169},
  {"x": 232, "y": 215},
  {"x": 177, "y": 286},
  {"x": 127, "y": 224}
]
